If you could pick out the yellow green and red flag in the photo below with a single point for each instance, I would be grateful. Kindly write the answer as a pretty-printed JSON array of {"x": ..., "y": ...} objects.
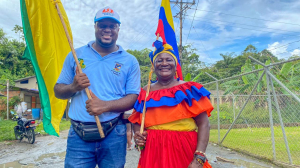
[{"x": 47, "y": 48}]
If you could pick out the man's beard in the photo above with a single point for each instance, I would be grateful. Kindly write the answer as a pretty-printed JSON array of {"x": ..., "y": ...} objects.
[{"x": 106, "y": 45}]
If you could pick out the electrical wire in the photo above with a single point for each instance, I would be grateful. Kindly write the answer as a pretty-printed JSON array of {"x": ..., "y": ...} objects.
[
  {"x": 247, "y": 28},
  {"x": 192, "y": 22},
  {"x": 243, "y": 24},
  {"x": 247, "y": 17}
]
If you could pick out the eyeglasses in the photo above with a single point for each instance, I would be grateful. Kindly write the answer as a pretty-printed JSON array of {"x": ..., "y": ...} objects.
[{"x": 104, "y": 26}]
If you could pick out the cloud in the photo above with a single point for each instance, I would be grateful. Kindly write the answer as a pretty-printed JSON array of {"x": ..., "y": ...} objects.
[
  {"x": 296, "y": 52},
  {"x": 278, "y": 49},
  {"x": 216, "y": 25}
]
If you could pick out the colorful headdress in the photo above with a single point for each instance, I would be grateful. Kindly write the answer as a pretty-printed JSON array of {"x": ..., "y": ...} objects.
[{"x": 162, "y": 48}]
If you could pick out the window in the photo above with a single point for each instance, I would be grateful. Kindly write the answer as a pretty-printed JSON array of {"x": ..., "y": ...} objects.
[{"x": 24, "y": 82}]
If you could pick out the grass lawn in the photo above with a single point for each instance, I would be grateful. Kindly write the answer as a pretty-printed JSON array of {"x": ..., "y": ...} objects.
[
  {"x": 7, "y": 129},
  {"x": 258, "y": 141}
]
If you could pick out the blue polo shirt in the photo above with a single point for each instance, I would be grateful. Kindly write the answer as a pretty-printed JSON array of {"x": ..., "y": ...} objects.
[{"x": 112, "y": 77}]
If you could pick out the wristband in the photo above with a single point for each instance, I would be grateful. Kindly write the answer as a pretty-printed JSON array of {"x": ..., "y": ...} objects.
[{"x": 200, "y": 157}]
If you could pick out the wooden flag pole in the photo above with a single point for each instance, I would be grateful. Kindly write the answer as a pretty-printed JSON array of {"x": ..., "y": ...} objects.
[
  {"x": 78, "y": 65},
  {"x": 147, "y": 93}
]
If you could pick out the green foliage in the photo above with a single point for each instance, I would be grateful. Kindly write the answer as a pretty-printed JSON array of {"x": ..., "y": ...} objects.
[
  {"x": 290, "y": 75},
  {"x": 190, "y": 62},
  {"x": 247, "y": 82},
  {"x": 187, "y": 77},
  {"x": 145, "y": 63},
  {"x": 7, "y": 129},
  {"x": 12, "y": 65},
  {"x": 12, "y": 102}
]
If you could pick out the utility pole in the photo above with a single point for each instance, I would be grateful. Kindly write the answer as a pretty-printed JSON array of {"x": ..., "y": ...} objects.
[{"x": 183, "y": 6}]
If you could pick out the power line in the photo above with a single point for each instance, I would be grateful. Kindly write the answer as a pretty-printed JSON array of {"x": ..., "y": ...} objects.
[
  {"x": 201, "y": 42},
  {"x": 143, "y": 30},
  {"x": 246, "y": 17},
  {"x": 286, "y": 52},
  {"x": 284, "y": 45},
  {"x": 248, "y": 28},
  {"x": 245, "y": 24},
  {"x": 192, "y": 22}
]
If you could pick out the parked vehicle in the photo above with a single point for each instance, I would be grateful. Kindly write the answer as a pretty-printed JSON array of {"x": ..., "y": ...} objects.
[{"x": 25, "y": 128}]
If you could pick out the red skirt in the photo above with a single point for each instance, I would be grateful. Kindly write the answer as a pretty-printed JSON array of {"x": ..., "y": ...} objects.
[{"x": 168, "y": 149}]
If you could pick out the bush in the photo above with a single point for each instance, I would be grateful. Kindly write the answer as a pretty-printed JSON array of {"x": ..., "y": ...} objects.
[{"x": 12, "y": 102}]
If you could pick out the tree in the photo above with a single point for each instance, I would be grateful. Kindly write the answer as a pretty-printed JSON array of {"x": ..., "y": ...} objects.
[
  {"x": 144, "y": 62},
  {"x": 19, "y": 30},
  {"x": 289, "y": 74},
  {"x": 12, "y": 65},
  {"x": 190, "y": 62}
]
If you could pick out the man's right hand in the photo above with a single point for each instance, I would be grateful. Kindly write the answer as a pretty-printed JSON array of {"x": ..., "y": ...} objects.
[{"x": 80, "y": 81}]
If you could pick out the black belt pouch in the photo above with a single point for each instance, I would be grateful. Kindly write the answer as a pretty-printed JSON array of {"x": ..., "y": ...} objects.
[{"x": 88, "y": 131}]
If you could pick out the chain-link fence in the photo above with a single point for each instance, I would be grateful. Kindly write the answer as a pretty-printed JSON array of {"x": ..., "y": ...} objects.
[{"x": 258, "y": 112}]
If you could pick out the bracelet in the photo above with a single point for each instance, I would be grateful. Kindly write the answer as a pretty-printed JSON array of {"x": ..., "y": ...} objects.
[
  {"x": 200, "y": 153},
  {"x": 200, "y": 157},
  {"x": 200, "y": 161}
]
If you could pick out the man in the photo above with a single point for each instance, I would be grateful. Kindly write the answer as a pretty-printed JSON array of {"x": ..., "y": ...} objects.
[{"x": 113, "y": 77}]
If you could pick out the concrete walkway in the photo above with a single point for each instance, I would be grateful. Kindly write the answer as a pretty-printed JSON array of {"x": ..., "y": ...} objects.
[{"x": 49, "y": 152}]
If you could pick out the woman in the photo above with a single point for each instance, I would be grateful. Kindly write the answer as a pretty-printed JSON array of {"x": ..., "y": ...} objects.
[
  {"x": 129, "y": 129},
  {"x": 175, "y": 109}
]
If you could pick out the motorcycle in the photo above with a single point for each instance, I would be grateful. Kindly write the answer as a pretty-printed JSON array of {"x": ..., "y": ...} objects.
[{"x": 25, "y": 128}]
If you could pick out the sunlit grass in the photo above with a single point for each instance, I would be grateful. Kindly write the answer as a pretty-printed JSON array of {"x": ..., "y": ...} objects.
[
  {"x": 258, "y": 141},
  {"x": 7, "y": 128}
]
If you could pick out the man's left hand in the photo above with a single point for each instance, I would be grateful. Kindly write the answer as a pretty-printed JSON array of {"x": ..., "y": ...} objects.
[{"x": 95, "y": 106}]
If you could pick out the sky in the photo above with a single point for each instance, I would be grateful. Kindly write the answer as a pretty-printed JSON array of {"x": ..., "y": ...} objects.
[{"x": 213, "y": 27}]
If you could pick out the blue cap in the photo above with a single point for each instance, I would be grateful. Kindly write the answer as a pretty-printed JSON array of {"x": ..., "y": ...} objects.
[{"x": 107, "y": 13}]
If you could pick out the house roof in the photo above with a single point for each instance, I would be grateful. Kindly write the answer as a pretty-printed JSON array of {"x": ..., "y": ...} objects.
[
  {"x": 13, "y": 88},
  {"x": 24, "y": 78},
  {"x": 27, "y": 90}
]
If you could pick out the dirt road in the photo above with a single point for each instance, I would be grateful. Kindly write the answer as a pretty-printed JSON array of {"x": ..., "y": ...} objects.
[{"x": 49, "y": 152}]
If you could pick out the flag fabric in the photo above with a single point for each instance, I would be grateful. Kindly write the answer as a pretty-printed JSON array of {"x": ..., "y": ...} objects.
[
  {"x": 47, "y": 48},
  {"x": 166, "y": 31}
]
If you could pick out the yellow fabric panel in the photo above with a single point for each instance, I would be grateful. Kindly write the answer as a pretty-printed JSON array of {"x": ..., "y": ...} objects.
[
  {"x": 166, "y": 5},
  {"x": 187, "y": 124},
  {"x": 51, "y": 47}
]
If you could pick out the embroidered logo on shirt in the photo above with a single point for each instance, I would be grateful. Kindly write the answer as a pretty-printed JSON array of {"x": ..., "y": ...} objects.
[
  {"x": 117, "y": 68},
  {"x": 81, "y": 63}
]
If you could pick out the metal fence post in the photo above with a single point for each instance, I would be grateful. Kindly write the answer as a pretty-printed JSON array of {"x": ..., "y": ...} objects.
[
  {"x": 218, "y": 103},
  {"x": 270, "y": 115},
  {"x": 269, "y": 105},
  {"x": 233, "y": 106},
  {"x": 281, "y": 122}
]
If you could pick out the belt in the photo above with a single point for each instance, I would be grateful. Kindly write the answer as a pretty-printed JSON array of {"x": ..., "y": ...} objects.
[{"x": 108, "y": 123}]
